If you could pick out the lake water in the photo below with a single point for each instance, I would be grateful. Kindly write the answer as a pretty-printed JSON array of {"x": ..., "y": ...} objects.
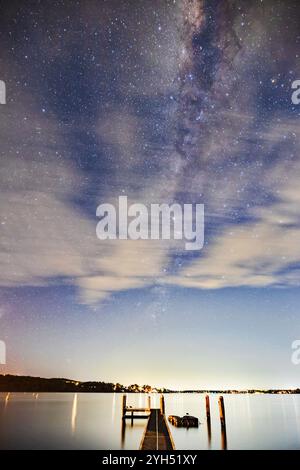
[{"x": 93, "y": 421}]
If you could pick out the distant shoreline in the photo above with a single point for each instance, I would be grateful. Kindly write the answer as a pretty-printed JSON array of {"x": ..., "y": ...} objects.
[{"x": 22, "y": 384}]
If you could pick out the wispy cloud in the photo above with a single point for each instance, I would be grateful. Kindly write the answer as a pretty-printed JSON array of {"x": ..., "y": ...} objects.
[{"x": 191, "y": 130}]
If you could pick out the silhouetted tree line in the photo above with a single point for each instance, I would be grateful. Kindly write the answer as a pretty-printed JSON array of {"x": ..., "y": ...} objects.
[
  {"x": 18, "y": 383},
  {"x": 13, "y": 383}
]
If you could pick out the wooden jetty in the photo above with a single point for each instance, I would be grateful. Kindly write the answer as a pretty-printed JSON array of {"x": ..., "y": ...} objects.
[{"x": 157, "y": 435}]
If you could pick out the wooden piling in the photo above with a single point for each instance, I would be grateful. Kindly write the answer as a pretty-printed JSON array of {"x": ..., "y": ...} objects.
[
  {"x": 162, "y": 404},
  {"x": 123, "y": 430},
  {"x": 208, "y": 421},
  {"x": 222, "y": 411},
  {"x": 223, "y": 438},
  {"x": 149, "y": 402},
  {"x": 207, "y": 406},
  {"x": 123, "y": 406},
  {"x": 208, "y": 424}
]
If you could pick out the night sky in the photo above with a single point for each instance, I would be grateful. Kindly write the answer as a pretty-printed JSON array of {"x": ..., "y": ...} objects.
[{"x": 184, "y": 101}]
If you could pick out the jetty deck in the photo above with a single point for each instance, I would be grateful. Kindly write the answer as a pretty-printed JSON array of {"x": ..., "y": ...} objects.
[{"x": 157, "y": 435}]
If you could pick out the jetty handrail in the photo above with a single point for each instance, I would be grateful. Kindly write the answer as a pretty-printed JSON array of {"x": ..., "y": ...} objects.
[
  {"x": 170, "y": 434},
  {"x": 134, "y": 409},
  {"x": 144, "y": 434}
]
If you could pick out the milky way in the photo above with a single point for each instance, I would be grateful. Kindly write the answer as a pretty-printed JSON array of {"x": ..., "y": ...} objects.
[{"x": 163, "y": 101}]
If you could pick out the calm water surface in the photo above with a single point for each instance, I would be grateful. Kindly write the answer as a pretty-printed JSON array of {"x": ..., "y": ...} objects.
[{"x": 93, "y": 421}]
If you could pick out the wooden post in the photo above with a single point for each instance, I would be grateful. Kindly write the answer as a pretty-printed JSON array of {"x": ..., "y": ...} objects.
[
  {"x": 207, "y": 405},
  {"x": 223, "y": 438},
  {"x": 222, "y": 411},
  {"x": 123, "y": 406},
  {"x": 123, "y": 429},
  {"x": 149, "y": 402},
  {"x": 162, "y": 404},
  {"x": 208, "y": 424}
]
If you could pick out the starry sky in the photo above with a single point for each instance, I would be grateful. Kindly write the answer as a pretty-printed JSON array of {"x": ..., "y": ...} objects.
[{"x": 184, "y": 101}]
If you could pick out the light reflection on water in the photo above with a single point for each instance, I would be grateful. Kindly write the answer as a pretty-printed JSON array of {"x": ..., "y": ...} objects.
[
  {"x": 93, "y": 421},
  {"x": 74, "y": 413}
]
